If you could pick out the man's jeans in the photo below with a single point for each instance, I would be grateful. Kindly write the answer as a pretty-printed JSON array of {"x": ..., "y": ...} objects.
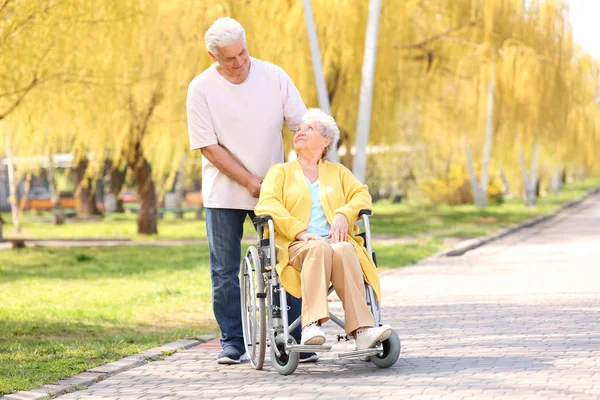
[{"x": 225, "y": 228}]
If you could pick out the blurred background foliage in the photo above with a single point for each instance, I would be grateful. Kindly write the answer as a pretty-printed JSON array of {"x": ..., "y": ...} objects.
[{"x": 106, "y": 81}]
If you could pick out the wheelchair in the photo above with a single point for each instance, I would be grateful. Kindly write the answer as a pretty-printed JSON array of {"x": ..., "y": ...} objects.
[{"x": 265, "y": 317}]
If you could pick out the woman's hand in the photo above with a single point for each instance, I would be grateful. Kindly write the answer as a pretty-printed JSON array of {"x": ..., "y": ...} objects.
[
  {"x": 305, "y": 236},
  {"x": 339, "y": 229}
]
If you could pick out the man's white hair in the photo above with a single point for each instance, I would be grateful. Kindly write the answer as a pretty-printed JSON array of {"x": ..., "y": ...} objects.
[
  {"x": 223, "y": 32},
  {"x": 326, "y": 126}
]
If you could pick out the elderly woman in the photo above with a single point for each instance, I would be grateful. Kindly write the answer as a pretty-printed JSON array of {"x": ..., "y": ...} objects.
[{"x": 314, "y": 204}]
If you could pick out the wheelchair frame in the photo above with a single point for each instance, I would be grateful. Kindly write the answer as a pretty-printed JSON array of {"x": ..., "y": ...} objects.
[{"x": 264, "y": 309}]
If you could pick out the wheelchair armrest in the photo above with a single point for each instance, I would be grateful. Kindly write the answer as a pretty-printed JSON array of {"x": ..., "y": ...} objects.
[
  {"x": 261, "y": 219},
  {"x": 364, "y": 212}
]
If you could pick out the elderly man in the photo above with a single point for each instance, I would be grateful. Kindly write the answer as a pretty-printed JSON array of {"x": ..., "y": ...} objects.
[{"x": 236, "y": 109}]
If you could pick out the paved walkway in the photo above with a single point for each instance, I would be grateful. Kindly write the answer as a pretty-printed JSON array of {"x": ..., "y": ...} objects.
[
  {"x": 6, "y": 244},
  {"x": 516, "y": 318}
]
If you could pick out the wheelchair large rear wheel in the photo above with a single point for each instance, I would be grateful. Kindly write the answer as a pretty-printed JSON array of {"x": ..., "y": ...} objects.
[
  {"x": 285, "y": 363},
  {"x": 391, "y": 352},
  {"x": 253, "y": 308}
]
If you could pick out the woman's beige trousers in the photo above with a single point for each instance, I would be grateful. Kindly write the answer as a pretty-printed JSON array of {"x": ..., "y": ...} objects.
[{"x": 319, "y": 264}]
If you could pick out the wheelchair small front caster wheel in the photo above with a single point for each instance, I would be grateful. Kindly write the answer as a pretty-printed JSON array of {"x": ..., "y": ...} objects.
[
  {"x": 391, "y": 352},
  {"x": 285, "y": 363}
]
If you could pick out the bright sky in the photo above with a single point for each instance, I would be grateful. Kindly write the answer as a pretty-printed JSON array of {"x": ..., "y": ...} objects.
[{"x": 585, "y": 18}]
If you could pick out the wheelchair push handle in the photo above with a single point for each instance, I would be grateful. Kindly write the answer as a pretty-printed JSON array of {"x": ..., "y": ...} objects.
[{"x": 261, "y": 219}]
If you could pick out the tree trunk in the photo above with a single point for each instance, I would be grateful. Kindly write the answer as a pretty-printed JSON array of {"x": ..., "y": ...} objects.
[
  {"x": 25, "y": 194},
  {"x": 366, "y": 92},
  {"x": 480, "y": 188},
  {"x": 114, "y": 184},
  {"x": 505, "y": 183},
  {"x": 318, "y": 67},
  {"x": 141, "y": 169},
  {"x": 529, "y": 182},
  {"x": 1, "y": 227},
  {"x": 556, "y": 185},
  {"x": 12, "y": 188},
  {"x": 58, "y": 214},
  {"x": 180, "y": 188},
  {"x": 479, "y": 196},
  {"x": 84, "y": 191},
  {"x": 1, "y": 220},
  {"x": 489, "y": 130},
  {"x": 147, "y": 214},
  {"x": 346, "y": 159},
  {"x": 535, "y": 176}
]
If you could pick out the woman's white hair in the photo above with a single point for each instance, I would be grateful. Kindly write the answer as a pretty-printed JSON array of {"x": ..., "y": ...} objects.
[
  {"x": 326, "y": 126},
  {"x": 223, "y": 32}
]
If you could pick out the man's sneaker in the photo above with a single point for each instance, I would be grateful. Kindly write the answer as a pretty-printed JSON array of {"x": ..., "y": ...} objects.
[
  {"x": 309, "y": 357},
  {"x": 368, "y": 337},
  {"x": 312, "y": 335},
  {"x": 231, "y": 355}
]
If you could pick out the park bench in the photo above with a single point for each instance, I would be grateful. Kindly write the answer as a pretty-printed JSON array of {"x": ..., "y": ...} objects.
[
  {"x": 16, "y": 243},
  {"x": 193, "y": 203},
  {"x": 67, "y": 204},
  {"x": 178, "y": 211}
]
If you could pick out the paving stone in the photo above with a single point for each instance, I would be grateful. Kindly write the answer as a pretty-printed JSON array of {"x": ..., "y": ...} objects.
[
  {"x": 516, "y": 318},
  {"x": 27, "y": 395},
  {"x": 123, "y": 364},
  {"x": 84, "y": 379}
]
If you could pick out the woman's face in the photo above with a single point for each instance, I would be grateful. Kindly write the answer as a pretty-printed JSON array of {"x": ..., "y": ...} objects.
[{"x": 308, "y": 140}]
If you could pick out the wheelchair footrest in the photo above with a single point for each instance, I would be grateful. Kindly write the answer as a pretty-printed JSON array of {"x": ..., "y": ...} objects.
[
  {"x": 362, "y": 353},
  {"x": 298, "y": 348}
]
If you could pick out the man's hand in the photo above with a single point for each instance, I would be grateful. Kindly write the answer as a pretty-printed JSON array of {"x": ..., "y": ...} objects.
[
  {"x": 339, "y": 229},
  {"x": 305, "y": 236},
  {"x": 253, "y": 186},
  {"x": 231, "y": 166}
]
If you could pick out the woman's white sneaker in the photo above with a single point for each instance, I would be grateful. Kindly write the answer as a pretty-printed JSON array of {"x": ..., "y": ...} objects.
[
  {"x": 312, "y": 335},
  {"x": 368, "y": 337}
]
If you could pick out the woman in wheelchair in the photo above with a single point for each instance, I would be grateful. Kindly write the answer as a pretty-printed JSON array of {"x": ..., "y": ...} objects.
[{"x": 314, "y": 205}]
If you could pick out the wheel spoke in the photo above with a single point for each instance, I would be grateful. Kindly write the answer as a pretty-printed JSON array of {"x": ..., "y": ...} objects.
[{"x": 253, "y": 315}]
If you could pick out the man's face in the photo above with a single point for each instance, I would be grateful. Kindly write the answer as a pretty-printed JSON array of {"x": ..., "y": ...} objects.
[{"x": 234, "y": 59}]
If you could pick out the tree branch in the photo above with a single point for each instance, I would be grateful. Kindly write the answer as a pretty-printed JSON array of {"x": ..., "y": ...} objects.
[
  {"x": 154, "y": 100},
  {"x": 34, "y": 82},
  {"x": 4, "y": 4},
  {"x": 97, "y": 81},
  {"x": 437, "y": 36},
  {"x": 14, "y": 30},
  {"x": 460, "y": 41},
  {"x": 27, "y": 88},
  {"x": 105, "y": 20}
]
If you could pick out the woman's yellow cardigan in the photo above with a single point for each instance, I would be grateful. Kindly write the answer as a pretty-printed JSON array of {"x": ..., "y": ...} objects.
[{"x": 285, "y": 196}]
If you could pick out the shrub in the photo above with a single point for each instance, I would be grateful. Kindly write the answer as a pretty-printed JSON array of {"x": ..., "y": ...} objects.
[{"x": 454, "y": 188}]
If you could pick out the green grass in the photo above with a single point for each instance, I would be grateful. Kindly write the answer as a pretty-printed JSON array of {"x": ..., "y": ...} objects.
[
  {"x": 67, "y": 310},
  {"x": 122, "y": 226},
  {"x": 398, "y": 255},
  {"x": 440, "y": 222},
  {"x": 467, "y": 221}
]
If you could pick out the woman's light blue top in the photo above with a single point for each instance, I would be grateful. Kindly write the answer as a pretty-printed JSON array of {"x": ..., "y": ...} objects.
[{"x": 317, "y": 224}]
